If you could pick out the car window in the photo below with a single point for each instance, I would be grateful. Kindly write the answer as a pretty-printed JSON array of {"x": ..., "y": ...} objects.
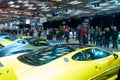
[
  {"x": 39, "y": 43},
  {"x": 90, "y": 54},
  {"x": 21, "y": 41},
  {"x": 6, "y": 37},
  {"x": 42, "y": 43},
  {"x": 45, "y": 55}
]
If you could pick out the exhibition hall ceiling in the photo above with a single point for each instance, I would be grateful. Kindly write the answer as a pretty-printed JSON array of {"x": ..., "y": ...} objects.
[{"x": 55, "y": 9}]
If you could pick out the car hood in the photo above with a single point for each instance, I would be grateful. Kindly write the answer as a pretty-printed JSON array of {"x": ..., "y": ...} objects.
[
  {"x": 16, "y": 65},
  {"x": 46, "y": 71},
  {"x": 28, "y": 72}
]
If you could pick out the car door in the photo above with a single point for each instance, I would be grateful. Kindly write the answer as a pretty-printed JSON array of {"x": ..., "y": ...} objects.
[
  {"x": 97, "y": 64},
  {"x": 112, "y": 64},
  {"x": 106, "y": 64}
]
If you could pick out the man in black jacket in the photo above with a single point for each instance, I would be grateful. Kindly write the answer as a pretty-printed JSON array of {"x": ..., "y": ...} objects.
[
  {"x": 115, "y": 37},
  {"x": 107, "y": 37}
]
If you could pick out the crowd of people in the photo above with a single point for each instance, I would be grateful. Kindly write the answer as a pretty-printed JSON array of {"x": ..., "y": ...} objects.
[{"x": 85, "y": 35}]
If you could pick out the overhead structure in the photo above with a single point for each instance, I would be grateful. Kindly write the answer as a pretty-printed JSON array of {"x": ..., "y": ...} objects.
[{"x": 54, "y": 9}]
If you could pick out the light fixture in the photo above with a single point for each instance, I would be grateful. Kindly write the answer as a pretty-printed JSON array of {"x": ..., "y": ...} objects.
[
  {"x": 30, "y": 8},
  {"x": 34, "y": 8},
  {"x": 20, "y": 1},
  {"x": 12, "y": 5},
  {"x": 43, "y": 7},
  {"x": 11, "y": 2},
  {"x": 117, "y": 1},
  {"x": 17, "y": 6},
  {"x": 5, "y": 12},
  {"x": 25, "y": 5},
  {"x": 26, "y": 2},
  {"x": 27, "y": 21},
  {"x": 31, "y": 5}
]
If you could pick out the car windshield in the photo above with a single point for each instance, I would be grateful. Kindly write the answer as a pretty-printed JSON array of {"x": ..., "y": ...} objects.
[
  {"x": 7, "y": 36},
  {"x": 46, "y": 55},
  {"x": 37, "y": 42},
  {"x": 29, "y": 39},
  {"x": 1, "y": 46}
]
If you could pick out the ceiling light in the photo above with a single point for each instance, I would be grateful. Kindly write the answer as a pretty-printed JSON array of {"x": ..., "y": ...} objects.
[
  {"x": 25, "y": 5},
  {"x": 42, "y": 4},
  {"x": 1, "y": 11},
  {"x": 30, "y": 8},
  {"x": 59, "y": 0},
  {"x": 12, "y": 5},
  {"x": 11, "y": 11},
  {"x": 46, "y": 10},
  {"x": 5, "y": 12},
  {"x": 43, "y": 7},
  {"x": 20, "y": 1},
  {"x": 104, "y": 9},
  {"x": 117, "y": 1},
  {"x": 11, "y": 2},
  {"x": 109, "y": 7},
  {"x": 17, "y": 6},
  {"x": 74, "y": 2},
  {"x": 31, "y": 5},
  {"x": 26, "y": 2},
  {"x": 19, "y": 13},
  {"x": 48, "y": 15},
  {"x": 15, "y": 11},
  {"x": 34, "y": 8}
]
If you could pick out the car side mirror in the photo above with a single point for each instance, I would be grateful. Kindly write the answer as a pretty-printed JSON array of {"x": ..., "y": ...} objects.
[{"x": 115, "y": 56}]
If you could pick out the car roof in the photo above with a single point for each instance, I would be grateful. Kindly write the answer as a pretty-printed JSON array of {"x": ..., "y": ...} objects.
[{"x": 33, "y": 39}]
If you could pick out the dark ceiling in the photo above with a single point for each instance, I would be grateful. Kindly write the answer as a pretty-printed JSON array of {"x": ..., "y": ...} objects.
[{"x": 55, "y": 9}]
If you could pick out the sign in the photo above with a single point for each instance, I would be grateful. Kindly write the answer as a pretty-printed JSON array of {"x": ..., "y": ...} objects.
[
  {"x": 27, "y": 21},
  {"x": 42, "y": 20}
]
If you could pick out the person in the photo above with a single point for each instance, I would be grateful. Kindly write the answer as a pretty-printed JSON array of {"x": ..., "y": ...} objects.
[
  {"x": 115, "y": 37},
  {"x": 66, "y": 35},
  {"x": 103, "y": 38},
  {"x": 91, "y": 34},
  {"x": 83, "y": 34},
  {"x": 60, "y": 34},
  {"x": 39, "y": 32},
  {"x": 79, "y": 34},
  {"x": 57, "y": 34},
  {"x": 31, "y": 32},
  {"x": 96, "y": 34},
  {"x": 107, "y": 37},
  {"x": 100, "y": 38},
  {"x": 111, "y": 31}
]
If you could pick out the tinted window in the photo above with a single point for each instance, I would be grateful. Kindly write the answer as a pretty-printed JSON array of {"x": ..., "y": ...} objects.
[
  {"x": 45, "y": 55},
  {"x": 21, "y": 41},
  {"x": 91, "y": 54}
]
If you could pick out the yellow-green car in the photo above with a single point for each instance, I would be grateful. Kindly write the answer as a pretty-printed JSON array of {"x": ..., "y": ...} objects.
[
  {"x": 65, "y": 62},
  {"x": 6, "y": 42}
]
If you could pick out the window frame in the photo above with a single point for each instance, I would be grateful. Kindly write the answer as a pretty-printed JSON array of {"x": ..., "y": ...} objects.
[{"x": 89, "y": 57}]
